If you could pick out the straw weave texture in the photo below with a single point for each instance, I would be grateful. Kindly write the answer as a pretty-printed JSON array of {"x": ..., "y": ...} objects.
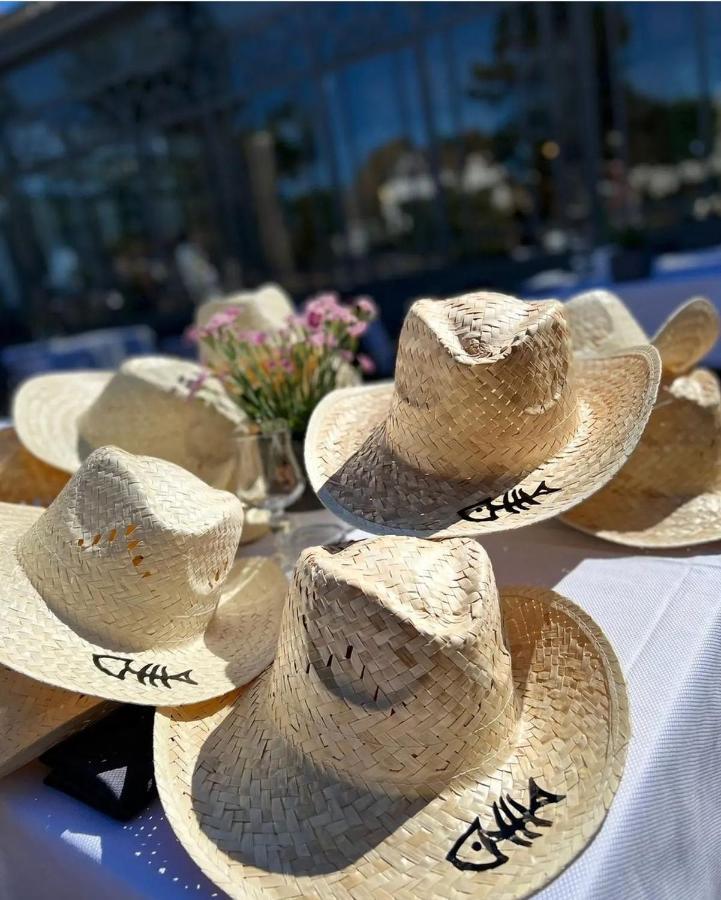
[
  {"x": 35, "y": 716},
  {"x": 600, "y": 322},
  {"x": 129, "y": 564},
  {"x": 668, "y": 494},
  {"x": 145, "y": 407},
  {"x": 487, "y": 400},
  {"x": 406, "y": 697}
]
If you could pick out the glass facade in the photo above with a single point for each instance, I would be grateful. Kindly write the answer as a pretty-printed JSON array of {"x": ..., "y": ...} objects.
[{"x": 401, "y": 148}]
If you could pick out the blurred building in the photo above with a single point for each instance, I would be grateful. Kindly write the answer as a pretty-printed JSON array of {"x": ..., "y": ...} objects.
[{"x": 151, "y": 153}]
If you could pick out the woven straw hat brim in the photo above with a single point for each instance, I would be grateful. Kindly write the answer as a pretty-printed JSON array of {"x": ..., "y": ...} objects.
[
  {"x": 34, "y": 717},
  {"x": 648, "y": 520},
  {"x": 239, "y": 643},
  {"x": 669, "y": 492},
  {"x": 687, "y": 335},
  {"x": 261, "y": 820},
  {"x": 46, "y": 410},
  {"x": 601, "y": 322},
  {"x": 23, "y": 477},
  {"x": 356, "y": 477}
]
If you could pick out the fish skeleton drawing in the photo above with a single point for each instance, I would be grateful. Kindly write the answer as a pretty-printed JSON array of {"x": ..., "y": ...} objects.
[
  {"x": 514, "y": 501},
  {"x": 512, "y": 825},
  {"x": 150, "y": 673}
]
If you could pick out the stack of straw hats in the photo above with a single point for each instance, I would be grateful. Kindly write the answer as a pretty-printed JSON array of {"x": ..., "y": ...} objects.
[
  {"x": 392, "y": 723},
  {"x": 668, "y": 494},
  {"x": 126, "y": 589},
  {"x": 421, "y": 734}
]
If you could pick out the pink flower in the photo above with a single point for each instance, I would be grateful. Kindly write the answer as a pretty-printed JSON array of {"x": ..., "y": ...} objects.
[
  {"x": 256, "y": 338},
  {"x": 346, "y": 355},
  {"x": 314, "y": 318},
  {"x": 331, "y": 341},
  {"x": 192, "y": 334},
  {"x": 367, "y": 366},
  {"x": 221, "y": 320},
  {"x": 317, "y": 339},
  {"x": 366, "y": 307},
  {"x": 197, "y": 383},
  {"x": 357, "y": 329}
]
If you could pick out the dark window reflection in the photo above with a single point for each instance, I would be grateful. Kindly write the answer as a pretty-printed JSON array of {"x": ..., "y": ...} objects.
[{"x": 168, "y": 150}]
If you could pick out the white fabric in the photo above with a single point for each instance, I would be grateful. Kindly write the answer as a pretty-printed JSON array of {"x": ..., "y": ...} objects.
[{"x": 662, "y": 612}]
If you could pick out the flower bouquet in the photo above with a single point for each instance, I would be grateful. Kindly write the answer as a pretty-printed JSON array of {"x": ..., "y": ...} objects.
[{"x": 283, "y": 374}]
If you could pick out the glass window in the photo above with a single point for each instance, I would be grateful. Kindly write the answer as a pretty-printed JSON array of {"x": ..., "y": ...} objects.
[
  {"x": 389, "y": 190},
  {"x": 278, "y": 188},
  {"x": 36, "y": 83},
  {"x": 481, "y": 114},
  {"x": 657, "y": 55}
]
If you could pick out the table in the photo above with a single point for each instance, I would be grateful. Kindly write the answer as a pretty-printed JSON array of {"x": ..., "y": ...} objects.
[{"x": 661, "y": 611}]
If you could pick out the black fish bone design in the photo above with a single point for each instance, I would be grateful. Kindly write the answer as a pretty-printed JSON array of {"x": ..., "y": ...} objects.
[
  {"x": 151, "y": 673},
  {"x": 514, "y": 501},
  {"x": 514, "y": 828}
]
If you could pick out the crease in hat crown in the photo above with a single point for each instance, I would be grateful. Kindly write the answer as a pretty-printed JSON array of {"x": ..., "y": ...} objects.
[
  {"x": 393, "y": 650},
  {"x": 509, "y": 360},
  {"x": 133, "y": 552},
  {"x": 147, "y": 407}
]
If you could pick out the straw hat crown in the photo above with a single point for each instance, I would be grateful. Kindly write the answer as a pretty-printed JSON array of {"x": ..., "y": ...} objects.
[
  {"x": 146, "y": 407},
  {"x": 392, "y": 664},
  {"x": 133, "y": 551},
  {"x": 509, "y": 359}
]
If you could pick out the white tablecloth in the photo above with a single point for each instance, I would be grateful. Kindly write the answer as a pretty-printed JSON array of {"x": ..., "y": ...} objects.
[{"x": 661, "y": 840}]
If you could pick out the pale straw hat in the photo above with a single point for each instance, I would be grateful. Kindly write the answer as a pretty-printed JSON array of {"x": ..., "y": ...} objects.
[
  {"x": 668, "y": 494},
  {"x": 34, "y": 716},
  {"x": 490, "y": 424},
  {"x": 117, "y": 589},
  {"x": 144, "y": 407},
  {"x": 600, "y": 322},
  {"x": 265, "y": 309},
  {"x": 417, "y": 736},
  {"x": 23, "y": 477}
]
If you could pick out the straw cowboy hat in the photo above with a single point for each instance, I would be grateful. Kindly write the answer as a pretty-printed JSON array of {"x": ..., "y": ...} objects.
[
  {"x": 668, "y": 494},
  {"x": 35, "y": 716},
  {"x": 23, "y": 477},
  {"x": 117, "y": 589},
  {"x": 143, "y": 407},
  {"x": 490, "y": 423},
  {"x": 600, "y": 322},
  {"x": 265, "y": 309},
  {"x": 417, "y": 736}
]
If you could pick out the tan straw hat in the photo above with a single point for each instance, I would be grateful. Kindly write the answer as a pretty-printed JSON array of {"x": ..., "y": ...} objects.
[
  {"x": 23, "y": 477},
  {"x": 490, "y": 424},
  {"x": 35, "y": 716},
  {"x": 416, "y": 737},
  {"x": 265, "y": 309},
  {"x": 668, "y": 494},
  {"x": 600, "y": 323},
  {"x": 144, "y": 407},
  {"x": 116, "y": 589}
]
